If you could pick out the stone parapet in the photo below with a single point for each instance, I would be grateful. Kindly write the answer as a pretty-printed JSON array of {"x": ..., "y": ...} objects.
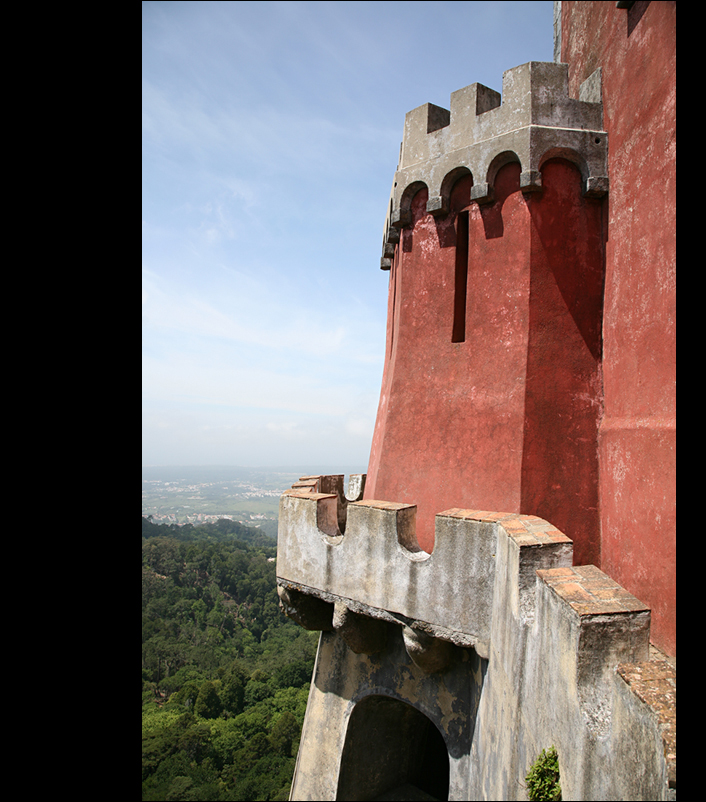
[
  {"x": 377, "y": 567},
  {"x": 591, "y": 624},
  {"x": 560, "y": 653},
  {"x": 654, "y": 684},
  {"x": 479, "y": 134}
]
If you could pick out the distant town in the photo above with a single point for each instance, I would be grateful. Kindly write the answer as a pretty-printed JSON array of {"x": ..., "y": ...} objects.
[{"x": 198, "y": 495}]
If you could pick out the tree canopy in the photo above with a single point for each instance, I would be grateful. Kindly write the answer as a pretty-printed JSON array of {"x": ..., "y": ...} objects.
[{"x": 225, "y": 676}]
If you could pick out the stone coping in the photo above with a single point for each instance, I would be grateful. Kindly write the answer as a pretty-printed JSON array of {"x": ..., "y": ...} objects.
[
  {"x": 655, "y": 684},
  {"x": 525, "y": 530},
  {"x": 588, "y": 591}
]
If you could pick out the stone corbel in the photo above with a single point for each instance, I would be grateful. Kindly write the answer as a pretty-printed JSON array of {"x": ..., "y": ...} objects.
[
  {"x": 427, "y": 652},
  {"x": 308, "y": 611},
  {"x": 362, "y": 634}
]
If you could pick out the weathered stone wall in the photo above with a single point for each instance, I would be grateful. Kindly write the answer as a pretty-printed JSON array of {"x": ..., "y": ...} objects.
[
  {"x": 342, "y": 679},
  {"x": 495, "y": 637}
]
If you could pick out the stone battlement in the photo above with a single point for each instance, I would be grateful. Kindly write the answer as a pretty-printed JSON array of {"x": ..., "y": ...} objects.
[
  {"x": 378, "y": 569},
  {"x": 565, "y": 644},
  {"x": 479, "y": 134}
]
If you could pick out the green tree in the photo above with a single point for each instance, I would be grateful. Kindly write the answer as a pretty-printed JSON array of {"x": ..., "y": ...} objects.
[
  {"x": 212, "y": 629},
  {"x": 208, "y": 703},
  {"x": 284, "y": 733},
  {"x": 233, "y": 689},
  {"x": 292, "y": 675},
  {"x": 188, "y": 694}
]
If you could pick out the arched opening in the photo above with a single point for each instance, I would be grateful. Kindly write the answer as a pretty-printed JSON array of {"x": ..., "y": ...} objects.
[
  {"x": 392, "y": 752},
  {"x": 404, "y": 217}
]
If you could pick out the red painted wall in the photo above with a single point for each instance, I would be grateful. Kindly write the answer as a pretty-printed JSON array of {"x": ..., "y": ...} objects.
[
  {"x": 449, "y": 428},
  {"x": 636, "y": 50},
  {"x": 506, "y": 419},
  {"x": 563, "y": 390}
]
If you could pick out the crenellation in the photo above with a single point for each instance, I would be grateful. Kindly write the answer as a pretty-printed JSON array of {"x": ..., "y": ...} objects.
[
  {"x": 654, "y": 684},
  {"x": 499, "y": 584},
  {"x": 536, "y": 121},
  {"x": 591, "y": 90},
  {"x": 380, "y": 563}
]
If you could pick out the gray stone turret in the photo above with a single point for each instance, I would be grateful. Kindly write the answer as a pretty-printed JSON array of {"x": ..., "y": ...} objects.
[{"x": 536, "y": 121}]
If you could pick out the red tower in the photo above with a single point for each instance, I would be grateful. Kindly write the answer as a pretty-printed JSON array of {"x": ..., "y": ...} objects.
[
  {"x": 530, "y": 340},
  {"x": 493, "y": 587},
  {"x": 492, "y": 390}
]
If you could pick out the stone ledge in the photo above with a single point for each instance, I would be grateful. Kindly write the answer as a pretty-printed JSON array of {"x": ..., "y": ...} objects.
[
  {"x": 354, "y": 605},
  {"x": 588, "y": 591},
  {"x": 525, "y": 530},
  {"x": 384, "y": 505},
  {"x": 655, "y": 684}
]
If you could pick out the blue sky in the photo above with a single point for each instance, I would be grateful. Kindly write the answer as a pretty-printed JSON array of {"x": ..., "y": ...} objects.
[{"x": 271, "y": 132}]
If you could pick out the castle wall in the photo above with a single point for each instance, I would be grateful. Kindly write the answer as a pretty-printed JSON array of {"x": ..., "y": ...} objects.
[
  {"x": 542, "y": 671},
  {"x": 635, "y": 50}
]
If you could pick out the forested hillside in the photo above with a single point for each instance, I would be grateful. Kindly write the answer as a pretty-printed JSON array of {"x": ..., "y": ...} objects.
[{"x": 225, "y": 676}]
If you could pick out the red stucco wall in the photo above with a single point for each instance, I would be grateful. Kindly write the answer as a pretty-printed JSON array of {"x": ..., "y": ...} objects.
[
  {"x": 563, "y": 393},
  {"x": 507, "y": 419},
  {"x": 636, "y": 51},
  {"x": 449, "y": 429}
]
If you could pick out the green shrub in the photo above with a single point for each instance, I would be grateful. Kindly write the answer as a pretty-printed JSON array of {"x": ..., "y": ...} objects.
[{"x": 543, "y": 777}]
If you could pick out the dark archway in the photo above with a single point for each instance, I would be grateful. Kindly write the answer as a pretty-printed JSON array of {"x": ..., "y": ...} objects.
[{"x": 392, "y": 751}]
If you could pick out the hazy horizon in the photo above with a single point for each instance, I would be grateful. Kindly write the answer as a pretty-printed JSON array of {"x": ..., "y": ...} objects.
[{"x": 313, "y": 467}]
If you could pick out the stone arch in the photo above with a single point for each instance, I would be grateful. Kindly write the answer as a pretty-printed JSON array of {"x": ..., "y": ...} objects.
[
  {"x": 592, "y": 185},
  {"x": 392, "y": 748},
  {"x": 440, "y": 204},
  {"x": 498, "y": 162},
  {"x": 484, "y": 192},
  {"x": 569, "y": 155},
  {"x": 403, "y": 215}
]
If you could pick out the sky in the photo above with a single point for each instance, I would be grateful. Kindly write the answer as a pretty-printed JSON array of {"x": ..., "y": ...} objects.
[{"x": 271, "y": 133}]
